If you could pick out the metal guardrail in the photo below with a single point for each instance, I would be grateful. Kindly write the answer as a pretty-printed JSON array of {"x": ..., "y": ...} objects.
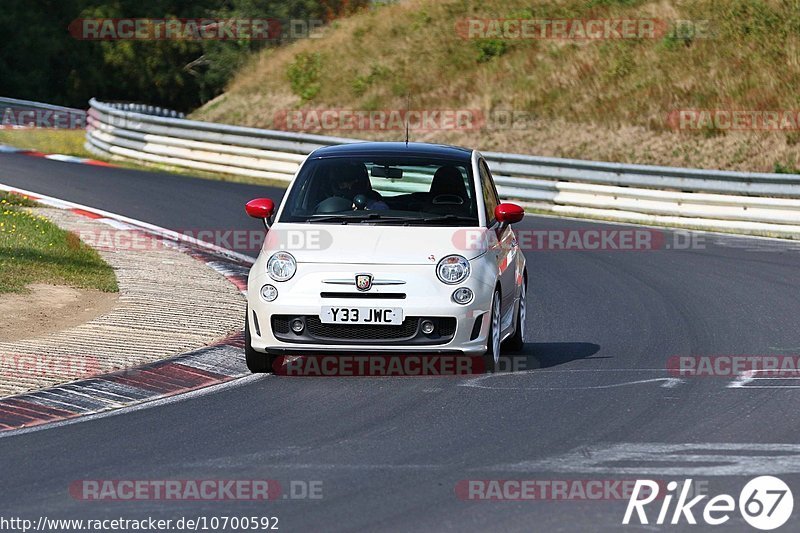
[
  {"x": 16, "y": 112},
  {"x": 706, "y": 199},
  {"x": 27, "y": 104},
  {"x": 146, "y": 109}
]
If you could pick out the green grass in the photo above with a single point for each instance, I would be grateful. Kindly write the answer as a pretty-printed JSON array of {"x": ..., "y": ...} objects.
[
  {"x": 34, "y": 250},
  {"x": 53, "y": 141}
]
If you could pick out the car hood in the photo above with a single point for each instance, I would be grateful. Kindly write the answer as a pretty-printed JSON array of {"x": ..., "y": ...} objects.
[{"x": 371, "y": 244}]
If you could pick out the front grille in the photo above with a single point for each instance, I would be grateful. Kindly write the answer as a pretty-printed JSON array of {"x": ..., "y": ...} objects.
[
  {"x": 409, "y": 331},
  {"x": 362, "y": 332},
  {"x": 280, "y": 324},
  {"x": 446, "y": 327}
]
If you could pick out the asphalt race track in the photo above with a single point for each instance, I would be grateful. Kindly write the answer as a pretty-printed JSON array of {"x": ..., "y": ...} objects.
[{"x": 597, "y": 404}]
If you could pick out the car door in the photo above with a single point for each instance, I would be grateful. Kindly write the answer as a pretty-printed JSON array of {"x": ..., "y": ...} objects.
[{"x": 503, "y": 245}]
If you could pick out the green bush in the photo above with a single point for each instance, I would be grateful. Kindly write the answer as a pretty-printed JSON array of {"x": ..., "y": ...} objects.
[
  {"x": 303, "y": 74},
  {"x": 490, "y": 48},
  {"x": 787, "y": 168},
  {"x": 360, "y": 84}
]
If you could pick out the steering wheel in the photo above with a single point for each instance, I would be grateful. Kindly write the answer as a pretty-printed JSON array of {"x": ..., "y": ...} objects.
[
  {"x": 447, "y": 199},
  {"x": 360, "y": 201},
  {"x": 334, "y": 204}
]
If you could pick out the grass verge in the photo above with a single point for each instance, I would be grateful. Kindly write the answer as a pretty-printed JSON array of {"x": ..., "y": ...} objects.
[
  {"x": 52, "y": 141},
  {"x": 33, "y": 249}
]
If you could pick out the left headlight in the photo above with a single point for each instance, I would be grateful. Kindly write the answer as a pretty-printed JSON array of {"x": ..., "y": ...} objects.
[
  {"x": 281, "y": 266},
  {"x": 452, "y": 269}
]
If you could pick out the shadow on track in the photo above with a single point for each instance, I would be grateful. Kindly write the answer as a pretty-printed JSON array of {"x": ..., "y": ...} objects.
[{"x": 547, "y": 354}]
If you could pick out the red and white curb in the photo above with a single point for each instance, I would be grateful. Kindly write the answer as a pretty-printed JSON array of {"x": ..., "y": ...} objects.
[
  {"x": 195, "y": 370},
  {"x": 211, "y": 365},
  {"x": 5, "y": 149}
]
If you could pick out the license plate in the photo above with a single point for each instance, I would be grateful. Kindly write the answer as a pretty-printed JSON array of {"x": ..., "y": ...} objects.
[{"x": 385, "y": 316}]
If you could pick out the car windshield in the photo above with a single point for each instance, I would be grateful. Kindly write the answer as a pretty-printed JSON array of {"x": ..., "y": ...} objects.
[{"x": 384, "y": 191}]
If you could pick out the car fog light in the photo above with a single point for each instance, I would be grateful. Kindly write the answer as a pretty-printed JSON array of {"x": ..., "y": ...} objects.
[
  {"x": 297, "y": 325},
  {"x": 462, "y": 296},
  {"x": 269, "y": 293},
  {"x": 427, "y": 327}
]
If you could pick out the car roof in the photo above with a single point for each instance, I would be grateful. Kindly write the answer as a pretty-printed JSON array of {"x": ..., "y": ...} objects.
[{"x": 383, "y": 149}]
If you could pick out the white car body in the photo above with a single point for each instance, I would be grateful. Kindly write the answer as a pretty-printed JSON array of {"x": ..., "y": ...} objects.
[{"x": 401, "y": 260}]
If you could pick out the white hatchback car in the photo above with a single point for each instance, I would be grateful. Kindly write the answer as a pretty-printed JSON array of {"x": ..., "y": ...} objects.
[{"x": 391, "y": 248}]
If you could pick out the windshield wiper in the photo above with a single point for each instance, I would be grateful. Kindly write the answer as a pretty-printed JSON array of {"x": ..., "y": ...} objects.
[
  {"x": 376, "y": 216},
  {"x": 344, "y": 219},
  {"x": 444, "y": 218},
  {"x": 367, "y": 217}
]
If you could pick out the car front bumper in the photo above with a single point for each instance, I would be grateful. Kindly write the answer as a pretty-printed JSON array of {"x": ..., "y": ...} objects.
[{"x": 421, "y": 296}]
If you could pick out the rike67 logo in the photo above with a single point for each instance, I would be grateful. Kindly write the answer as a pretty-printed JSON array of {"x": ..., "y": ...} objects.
[{"x": 765, "y": 503}]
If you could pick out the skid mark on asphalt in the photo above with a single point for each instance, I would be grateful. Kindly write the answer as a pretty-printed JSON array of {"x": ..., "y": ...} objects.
[
  {"x": 667, "y": 459},
  {"x": 489, "y": 381},
  {"x": 750, "y": 379},
  {"x": 754, "y": 243}
]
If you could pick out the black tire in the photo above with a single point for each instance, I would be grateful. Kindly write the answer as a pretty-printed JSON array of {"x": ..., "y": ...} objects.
[
  {"x": 257, "y": 362},
  {"x": 492, "y": 355},
  {"x": 516, "y": 342}
]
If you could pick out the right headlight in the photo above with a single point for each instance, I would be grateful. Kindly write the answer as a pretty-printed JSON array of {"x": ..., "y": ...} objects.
[
  {"x": 452, "y": 269},
  {"x": 281, "y": 266}
]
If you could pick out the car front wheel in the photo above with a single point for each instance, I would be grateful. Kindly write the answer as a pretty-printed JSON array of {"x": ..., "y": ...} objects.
[
  {"x": 516, "y": 342},
  {"x": 491, "y": 358}
]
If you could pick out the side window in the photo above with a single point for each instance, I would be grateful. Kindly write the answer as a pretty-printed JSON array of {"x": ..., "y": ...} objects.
[{"x": 489, "y": 192}]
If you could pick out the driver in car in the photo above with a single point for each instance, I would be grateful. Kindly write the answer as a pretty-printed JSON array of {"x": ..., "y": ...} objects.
[{"x": 352, "y": 183}]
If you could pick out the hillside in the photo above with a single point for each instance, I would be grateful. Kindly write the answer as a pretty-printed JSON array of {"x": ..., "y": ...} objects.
[{"x": 606, "y": 99}]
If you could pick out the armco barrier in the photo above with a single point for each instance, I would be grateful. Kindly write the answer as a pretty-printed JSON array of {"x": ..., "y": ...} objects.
[
  {"x": 746, "y": 202},
  {"x": 27, "y": 104},
  {"x": 25, "y": 113}
]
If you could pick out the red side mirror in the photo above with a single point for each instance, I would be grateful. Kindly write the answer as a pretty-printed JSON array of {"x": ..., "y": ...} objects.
[
  {"x": 509, "y": 213},
  {"x": 260, "y": 208}
]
